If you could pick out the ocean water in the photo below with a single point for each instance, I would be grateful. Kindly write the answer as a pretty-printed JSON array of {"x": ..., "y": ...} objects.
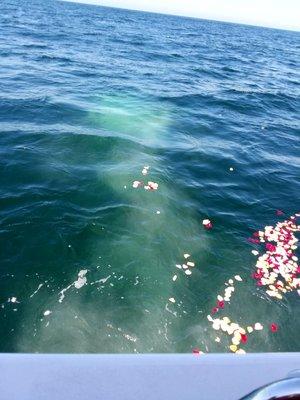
[{"x": 88, "y": 97}]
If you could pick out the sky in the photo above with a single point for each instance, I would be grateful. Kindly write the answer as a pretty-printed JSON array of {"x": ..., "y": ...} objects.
[{"x": 271, "y": 13}]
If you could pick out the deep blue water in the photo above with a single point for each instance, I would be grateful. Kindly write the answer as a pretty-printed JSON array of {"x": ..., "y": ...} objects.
[{"x": 88, "y": 97}]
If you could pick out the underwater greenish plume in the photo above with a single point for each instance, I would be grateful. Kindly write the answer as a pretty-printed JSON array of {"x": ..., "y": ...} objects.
[{"x": 120, "y": 132}]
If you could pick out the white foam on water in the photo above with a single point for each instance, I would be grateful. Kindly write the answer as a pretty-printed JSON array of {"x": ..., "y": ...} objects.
[
  {"x": 102, "y": 280},
  {"x": 81, "y": 281},
  {"x": 35, "y": 292},
  {"x": 62, "y": 293}
]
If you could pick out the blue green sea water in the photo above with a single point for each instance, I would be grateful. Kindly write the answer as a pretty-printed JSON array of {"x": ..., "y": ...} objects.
[{"x": 88, "y": 97}]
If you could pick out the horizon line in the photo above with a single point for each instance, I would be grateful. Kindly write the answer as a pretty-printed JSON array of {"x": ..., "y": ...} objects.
[{"x": 289, "y": 29}]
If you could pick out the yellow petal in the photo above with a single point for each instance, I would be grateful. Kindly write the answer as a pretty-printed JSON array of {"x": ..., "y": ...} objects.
[{"x": 233, "y": 348}]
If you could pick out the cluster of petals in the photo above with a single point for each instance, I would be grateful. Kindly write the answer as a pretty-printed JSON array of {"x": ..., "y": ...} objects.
[
  {"x": 277, "y": 268},
  {"x": 151, "y": 186},
  {"x": 145, "y": 170},
  {"x": 147, "y": 186},
  {"x": 187, "y": 265},
  {"x": 229, "y": 289},
  {"x": 238, "y": 334}
]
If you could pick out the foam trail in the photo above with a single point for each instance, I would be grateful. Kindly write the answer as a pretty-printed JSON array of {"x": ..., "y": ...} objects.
[
  {"x": 81, "y": 281},
  {"x": 35, "y": 292}
]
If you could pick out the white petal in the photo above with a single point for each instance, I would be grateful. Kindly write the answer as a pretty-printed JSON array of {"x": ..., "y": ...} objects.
[
  {"x": 258, "y": 326},
  {"x": 238, "y": 278}
]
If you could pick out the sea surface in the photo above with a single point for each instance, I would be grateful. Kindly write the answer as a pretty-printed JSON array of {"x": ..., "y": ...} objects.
[{"x": 89, "y": 96}]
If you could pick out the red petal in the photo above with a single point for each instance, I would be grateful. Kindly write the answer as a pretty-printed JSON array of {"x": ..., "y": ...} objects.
[
  {"x": 251, "y": 240},
  {"x": 274, "y": 327},
  {"x": 196, "y": 351},
  {"x": 214, "y": 310},
  {"x": 208, "y": 226},
  {"x": 244, "y": 338},
  {"x": 270, "y": 247},
  {"x": 221, "y": 304}
]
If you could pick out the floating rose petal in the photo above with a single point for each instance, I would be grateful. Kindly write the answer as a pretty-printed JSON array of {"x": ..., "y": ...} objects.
[
  {"x": 136, "y": 184},
  {"x": 207, "y": 224},
  {"x": 271, "y": 247},
  {"x": 233, "y": 348},
  {"x": 153, "y": 185},
  {"x": 216, "y": 325},
  {"x": 244, "y": 338},
  {"x": 220, "y": 304},
  {"x": 255, "y": 241},
  {"x": 238, "y": 278},
  {"x": 274, "y": 327},
  {"x": 190, "y": 264},
  {"x": 236, "y": 340},
  {"x": 214, "y": 310},
  {"x": 258, "y": 326},
  {"x": 196, "y": 351},
  {"x": 279, "y": 212}
]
